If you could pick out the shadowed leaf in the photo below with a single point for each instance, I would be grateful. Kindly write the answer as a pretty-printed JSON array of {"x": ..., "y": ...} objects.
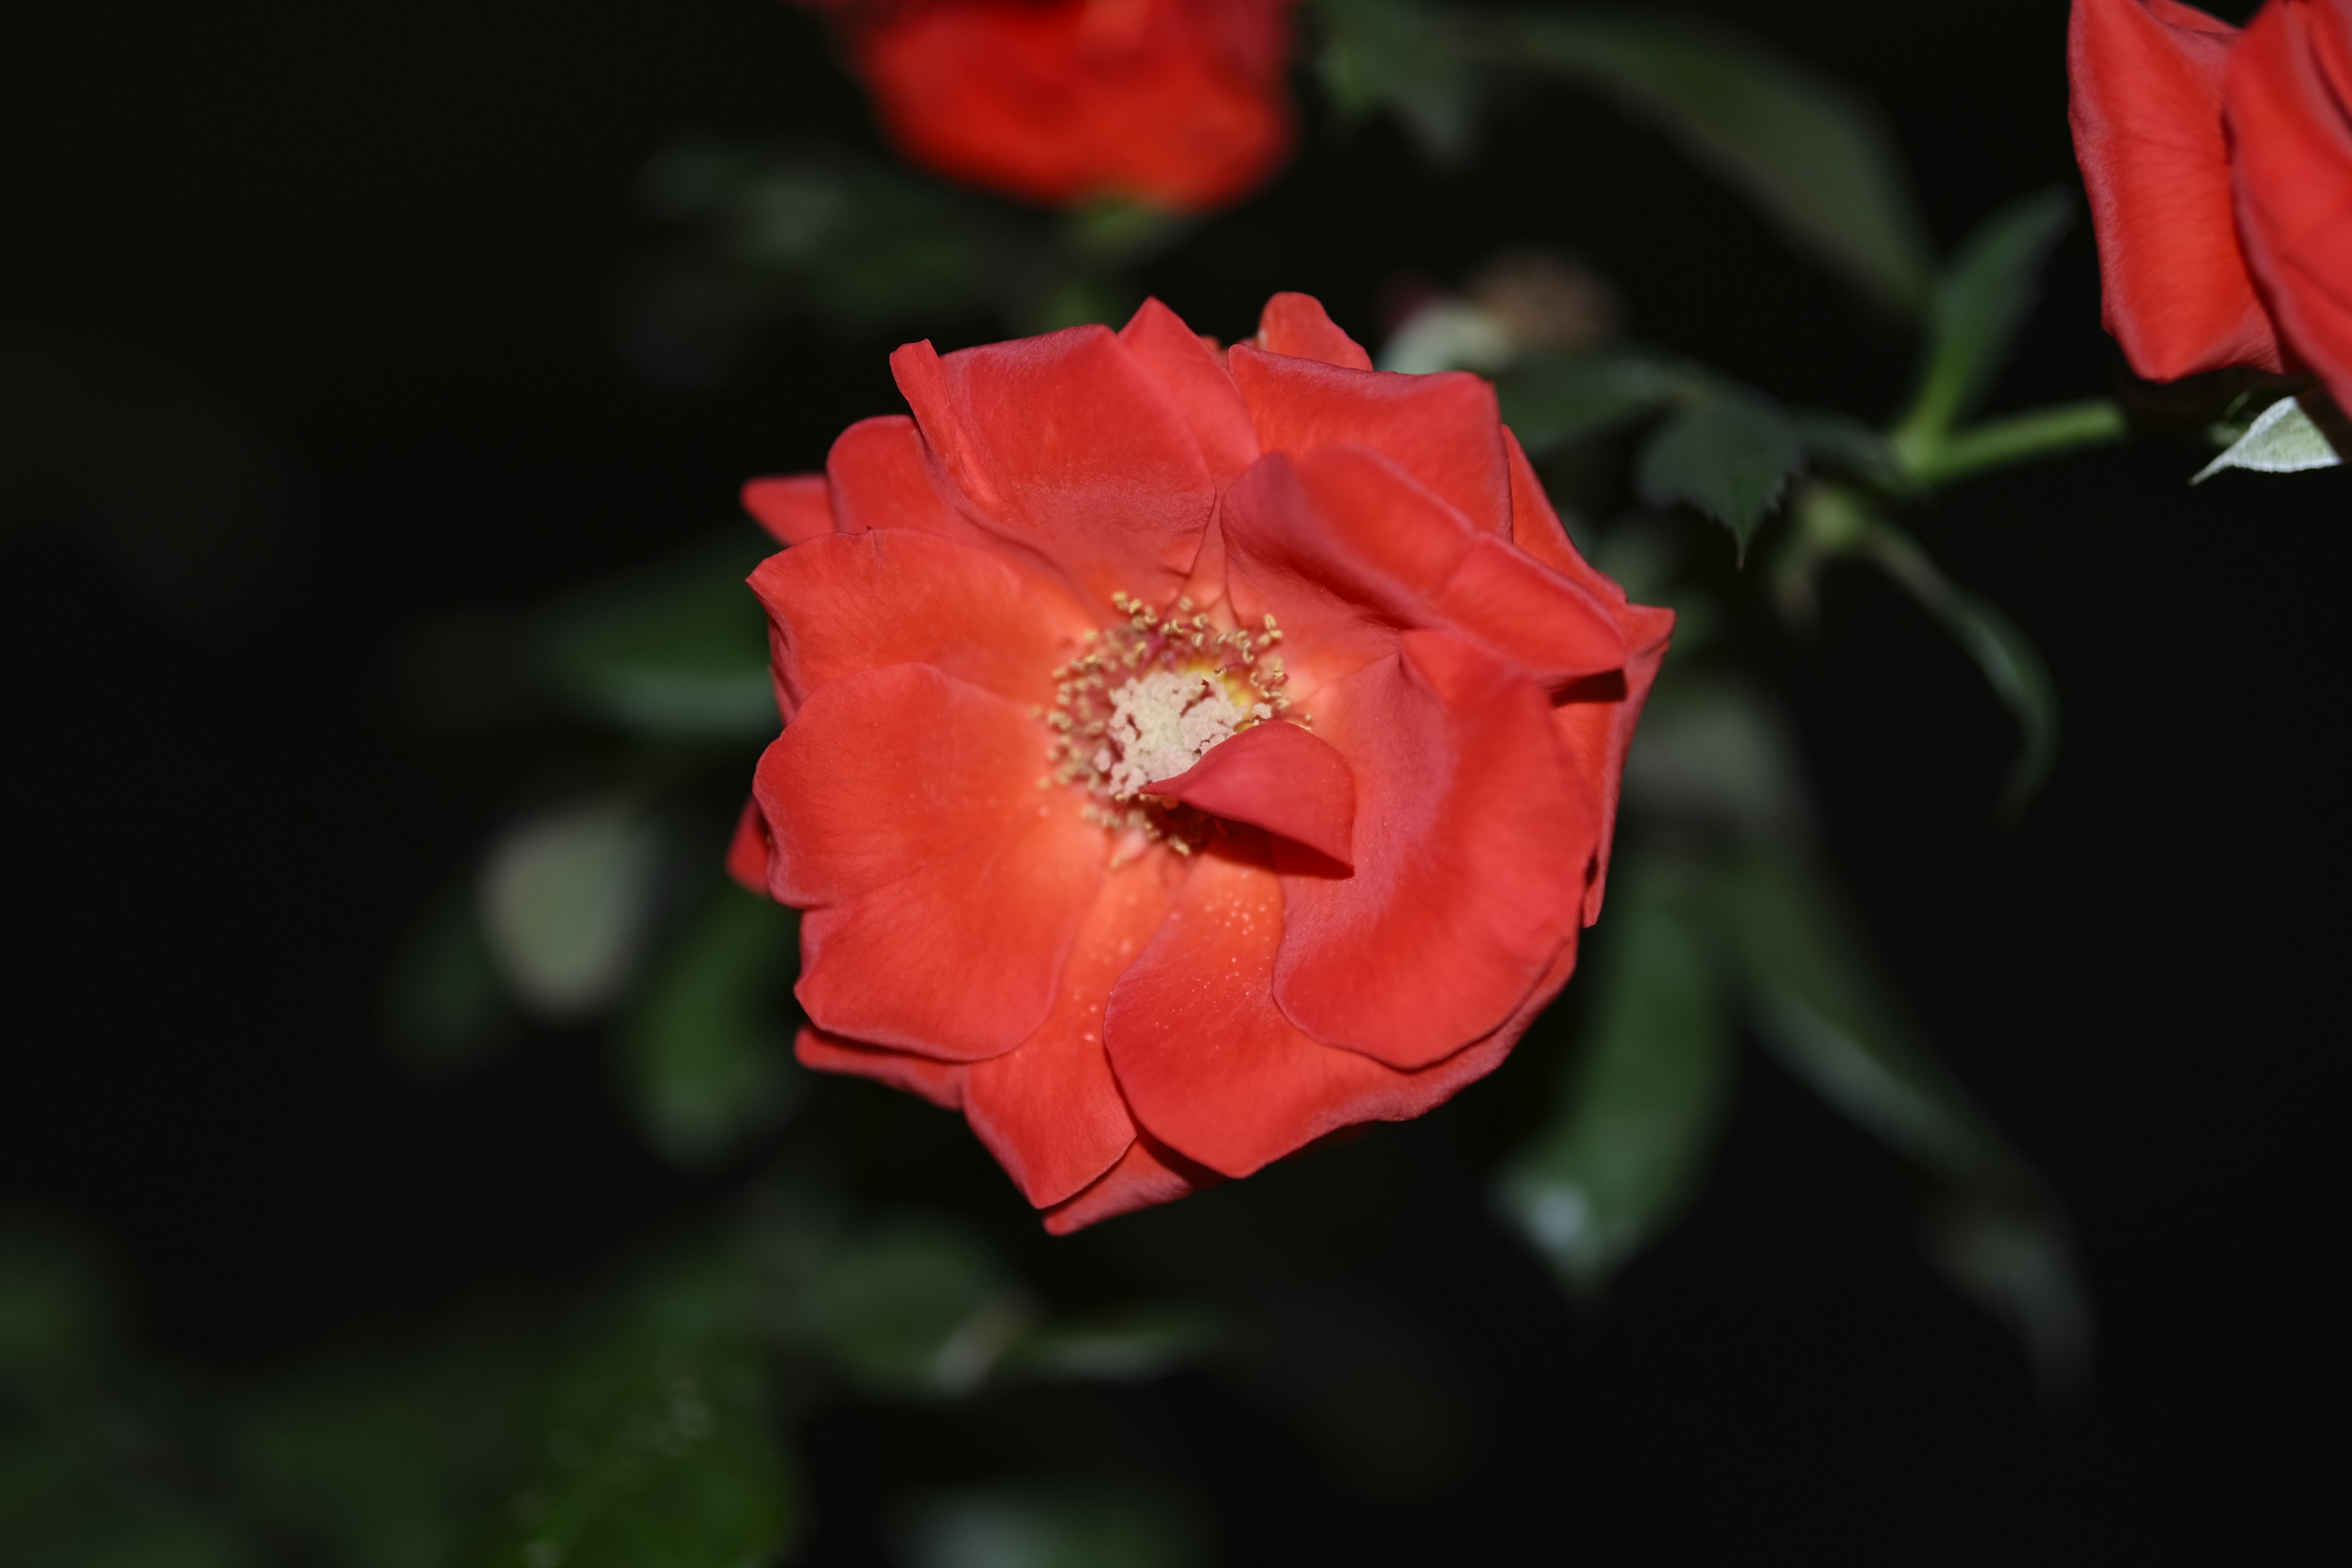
[
  {"x": 2012, "y": 666},
  {"x": 1643, "y": 1095},
  {"x": 1731, "y": 457},
  {"x": 681, "y": 651},
  {"x": 1980, "y": 300},
  {"x": 1405, "y": 58},
  {"x": 1029, "y": 1528},
  {"x": 911, "y": 1308},
  {"x": 658, "y": 1442},
  {"x": 706, "y": 1056},
  {"x": 1819, "y": 1007},
  {"x": 1806, "y": 150},
  {"x": 1551, "y": 401}
]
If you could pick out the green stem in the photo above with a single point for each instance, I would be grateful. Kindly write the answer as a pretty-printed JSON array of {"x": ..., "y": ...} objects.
[{"x": 2017, "y": 438}]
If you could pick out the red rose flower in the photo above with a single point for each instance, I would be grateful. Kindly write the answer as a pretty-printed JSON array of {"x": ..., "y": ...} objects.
[
  {"x": 1187, "y": 754},
  {"x": 1177, "y": 103},
  {"x": 2220, "y": 168}
]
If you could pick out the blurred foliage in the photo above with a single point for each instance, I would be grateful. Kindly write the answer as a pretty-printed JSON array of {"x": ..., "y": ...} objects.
[
  {"x": 1809, "y": 155},
  {"x": 705, "y": 1055},
  {"x": 161, "y": 478},
  {"x": 765, "y": 235},
  {"x": 1009, "y": 1528},
  {"x": 655, "y": 1418},
  {"x": 654, "y": 1426}
]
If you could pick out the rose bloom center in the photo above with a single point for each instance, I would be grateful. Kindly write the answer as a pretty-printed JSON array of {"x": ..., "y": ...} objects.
[{"x": 1147, "y": 699}]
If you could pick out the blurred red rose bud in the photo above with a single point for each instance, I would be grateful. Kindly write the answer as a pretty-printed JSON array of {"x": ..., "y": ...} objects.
[{"x": 1178, "y": 104}]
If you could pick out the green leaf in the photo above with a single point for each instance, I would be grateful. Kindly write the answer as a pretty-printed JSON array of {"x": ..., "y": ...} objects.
[
  {"x": 1716, "y": 758},
  {"x": 1548, "y": 403},
  {"x": 2283, "y": 439},
  {"x": 1127, "y": 1346},
  {"x": 707, "y": 1055},
  {"x": 1731, "y": 457},
  {"x": 912, "y": 1307},
  {"x": 57, "y": 1308},
  {"x": 1408, "y": 59},
  {"x": 1643, "y": 1095},
  {"x": 679, "y": 650},
  {"x": 1030, "y": 1528},
  {"x": 1980, "y": 300},
  {"x": 391, "y": 1457},
  {"x": 1811, "y": 155},
  {"x": 1819, "y": 1007},
  {"x": 1843, "y": 443},
  {"x": 658, "y": 1441},
  {"x": 2012, "y": 666},
  {"x": 566, "y": 900},
  {"x": 852, "y": 246}
]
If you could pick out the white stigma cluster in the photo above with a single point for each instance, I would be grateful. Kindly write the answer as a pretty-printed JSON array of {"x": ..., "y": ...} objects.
[
  {"x": 1161, "y": 723},
  {"x": 1147, "y": 699}
]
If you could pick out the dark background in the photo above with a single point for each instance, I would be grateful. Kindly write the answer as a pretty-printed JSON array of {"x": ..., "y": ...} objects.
[{"x": 379, "y": 249}]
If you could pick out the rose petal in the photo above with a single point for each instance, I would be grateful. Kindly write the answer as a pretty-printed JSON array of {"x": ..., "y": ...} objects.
[
  {"x": 2146, "y": 106},
  {"x": 1210, "y": 1065},
  {"x": 1442, "y": 429},
  {"x": 1049, "y": 1110},
  {"x": 794, "y": 507},
  {"x": 1279, "y": 777},
  {"x": 940, "y": 1082},
  {"x": 1147, "y": 1175},
  {"x": 1067, "y": 446},
  {"x": 2289, "y": 114},
  {"x": 1595, "y": 718},
  {"x": 944, "y": 889},
  {"x": 749, "y": 849},
  {"x": 881, "y": 476},
  {"x": 1196, "y": 378},
  {"x": 1474, "y": 842},
  {"x": 1297, "y": 325},
  {"x": 1347, "y": 550},
  {"x": 850, "y": 603}
]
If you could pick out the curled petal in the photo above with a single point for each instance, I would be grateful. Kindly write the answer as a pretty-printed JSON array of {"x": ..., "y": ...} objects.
[
  {"x": 1442, "y": 429},
  {"x": 794, "y": 507},
  {"x": 850, "y": 603},
  {"x": 1475, "y": 840},
  {"x": 1068, "y": 447},
  {"x": 2290, "y": 113},
  {"x": 1049, "y": 1110},
  {"x": 940, "y": 1082},
  {"x": 1278, "y": 777},
  {"x": 2145, "y": 79},
  {"x": 1297, "y": 325},
  {"x": 944, "y": 890},
  {"x": 1147, "y": 1175},
  {"x": 1211, "y": 1066},
  {"x": 1195, "y": 376},
  {"x": 1348, "y": 550}
]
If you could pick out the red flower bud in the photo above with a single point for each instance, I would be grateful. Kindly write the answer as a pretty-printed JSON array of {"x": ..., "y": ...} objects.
[
  {"x": 1179, "y": 104},
  {"x": 1188, "y": 753},
  {"x": 2219, "y": 171}
]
